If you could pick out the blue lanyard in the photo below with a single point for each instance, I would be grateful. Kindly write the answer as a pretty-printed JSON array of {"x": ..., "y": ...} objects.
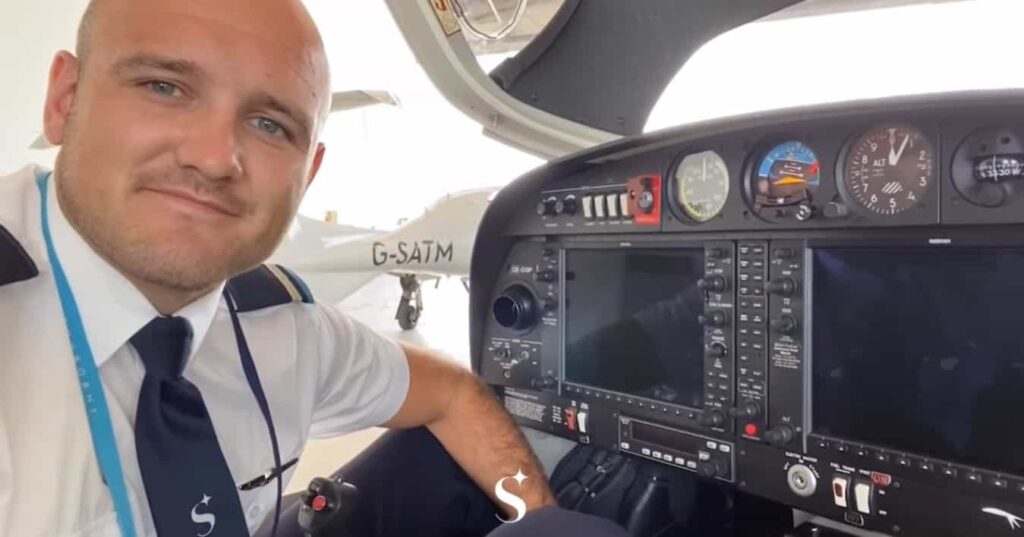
[{"x": 104, "y": 442}]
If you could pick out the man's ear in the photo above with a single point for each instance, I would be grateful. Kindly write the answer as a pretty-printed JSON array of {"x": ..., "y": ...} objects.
[
  {"x": 318, "y": 159},
  {"x": 60, "y": 96}
]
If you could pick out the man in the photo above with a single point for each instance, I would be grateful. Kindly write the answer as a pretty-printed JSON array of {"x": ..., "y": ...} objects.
[{"x": 141, "y": 394}]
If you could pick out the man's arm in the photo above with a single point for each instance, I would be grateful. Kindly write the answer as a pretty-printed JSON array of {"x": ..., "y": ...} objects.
[{"x": 476, "y": 431}]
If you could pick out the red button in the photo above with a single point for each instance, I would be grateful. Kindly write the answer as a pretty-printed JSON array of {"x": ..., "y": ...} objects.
[
  {"x": 750, "y": 429},
  {"x": 880, "y": 479},
  {"x": 319, "y": 503}
]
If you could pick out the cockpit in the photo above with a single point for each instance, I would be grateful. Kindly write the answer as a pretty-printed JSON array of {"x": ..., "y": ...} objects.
[{"x": 793, "y": 311}]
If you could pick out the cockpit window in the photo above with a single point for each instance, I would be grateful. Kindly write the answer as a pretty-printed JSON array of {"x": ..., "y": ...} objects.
[{"x": 831, "y": 51}]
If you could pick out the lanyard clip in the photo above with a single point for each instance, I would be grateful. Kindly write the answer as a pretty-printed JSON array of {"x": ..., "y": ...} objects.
[{"x": 269, "y": 476}]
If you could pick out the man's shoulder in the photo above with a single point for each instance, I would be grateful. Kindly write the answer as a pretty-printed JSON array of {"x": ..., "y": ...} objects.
[
  {"x": 17, "y": 193},
  {"x": 267, "y": 286}
]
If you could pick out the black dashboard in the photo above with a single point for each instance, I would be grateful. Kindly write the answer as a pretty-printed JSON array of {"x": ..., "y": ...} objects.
[{"x": 822, "y": 307}]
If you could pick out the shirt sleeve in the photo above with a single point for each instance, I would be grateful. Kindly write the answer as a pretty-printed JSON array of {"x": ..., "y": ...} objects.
[{"x": 363, "y": 376}]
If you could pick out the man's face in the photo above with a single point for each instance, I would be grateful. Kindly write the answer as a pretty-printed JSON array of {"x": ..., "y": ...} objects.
[{"x": 189, "y": 134}]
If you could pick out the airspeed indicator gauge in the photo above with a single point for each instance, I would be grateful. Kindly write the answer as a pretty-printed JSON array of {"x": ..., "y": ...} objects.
[
  {"x": 701, "y": 185},
  {"x": 889, "y": 169}
]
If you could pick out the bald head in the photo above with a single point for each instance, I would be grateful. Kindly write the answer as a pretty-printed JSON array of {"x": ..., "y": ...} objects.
[{"x": 279, "y": 17}]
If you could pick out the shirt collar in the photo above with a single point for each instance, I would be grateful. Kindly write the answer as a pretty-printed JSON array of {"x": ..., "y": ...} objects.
[{"x": 111, "y": 307}]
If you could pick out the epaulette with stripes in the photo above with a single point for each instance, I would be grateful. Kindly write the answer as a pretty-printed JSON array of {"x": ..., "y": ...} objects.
[
  {"x": 267, "y": 286},
  {"x": 15, "y": 263}
]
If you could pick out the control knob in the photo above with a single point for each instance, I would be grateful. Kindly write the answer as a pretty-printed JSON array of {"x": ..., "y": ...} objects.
[
  {"x": 710, "y": 468},
  {"x": 712, "y": 418},
  {"x": 515, "y": 308},
  {"x": 836, "y": 210},
  {"x": 804, "y": 212},
  {"x": 780, "y": 435},
  {"x": 785, "y": 325},
  {"x": 782, "y": 287},
  {"x": 714, "y": 319},
  {"x": 746, "y": 410},
  {"x": 546, "y": 208},
  {"x": 567, "y": 206},
  {"x": 546, "y": 276},
  {"x": 785, "y": 253},
  {"x": 717, "y": 350},
  {"x": 714, "y": 284},
  {"x": 547, "y": 381}
]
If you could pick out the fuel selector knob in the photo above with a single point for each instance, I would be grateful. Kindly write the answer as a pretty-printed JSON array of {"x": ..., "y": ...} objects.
[
  {"x": 786, "y": 325},
  {"x": 714, "y": 284},
  {"x": 713, "y": 319},
  {"x": 780, "y": 435},
  {"x": 781, "y": 287}
]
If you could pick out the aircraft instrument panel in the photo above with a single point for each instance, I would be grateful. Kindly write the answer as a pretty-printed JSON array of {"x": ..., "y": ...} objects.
[{"x": 821, "y": 307}]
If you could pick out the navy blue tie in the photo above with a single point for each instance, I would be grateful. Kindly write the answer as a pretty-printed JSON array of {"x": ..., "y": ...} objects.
[{"x": 187, "y": 480}]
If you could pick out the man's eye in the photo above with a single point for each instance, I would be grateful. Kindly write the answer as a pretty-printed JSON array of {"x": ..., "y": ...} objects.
[
  {"x": 163, "y": 88},
  {"x": 269, "y": 126}
]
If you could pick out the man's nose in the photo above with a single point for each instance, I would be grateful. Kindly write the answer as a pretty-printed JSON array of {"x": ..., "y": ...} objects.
[{"x": 211, "y": 146}]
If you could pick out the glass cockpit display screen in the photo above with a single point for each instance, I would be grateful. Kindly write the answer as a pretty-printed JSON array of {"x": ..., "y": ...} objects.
[
  {"x": 922, "y": 351},
  {"x": 631, "y": 323}
]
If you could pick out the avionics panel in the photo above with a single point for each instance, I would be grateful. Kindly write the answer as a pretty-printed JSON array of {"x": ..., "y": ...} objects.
[
  {"x": 632, "y": 323},
  {"x": 921, "y": 351},
  {"x": 649, "y": 329},
  {"x": 847, "y": 281}
]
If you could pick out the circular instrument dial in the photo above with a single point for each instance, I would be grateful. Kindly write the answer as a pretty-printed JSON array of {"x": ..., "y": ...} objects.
[
  {"x": 789, "y": 173},
  {"x": 889, "y": 169},
  {"x": 702, "y": 185}
]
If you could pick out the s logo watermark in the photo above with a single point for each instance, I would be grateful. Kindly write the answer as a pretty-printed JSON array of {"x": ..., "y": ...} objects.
[
  {"x": 510, "y": 499},
  {"x": 204, "y": 518}
]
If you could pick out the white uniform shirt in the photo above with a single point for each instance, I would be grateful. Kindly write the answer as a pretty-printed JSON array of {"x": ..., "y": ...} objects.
[{"x": 323, "y": 374}]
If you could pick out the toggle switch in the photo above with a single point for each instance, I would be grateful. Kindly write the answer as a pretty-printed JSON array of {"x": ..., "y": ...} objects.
[
  {"x": 840, "y": 491},
  {"x": 862, "y": 493},
  {"x": 588, "y": 207}
]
